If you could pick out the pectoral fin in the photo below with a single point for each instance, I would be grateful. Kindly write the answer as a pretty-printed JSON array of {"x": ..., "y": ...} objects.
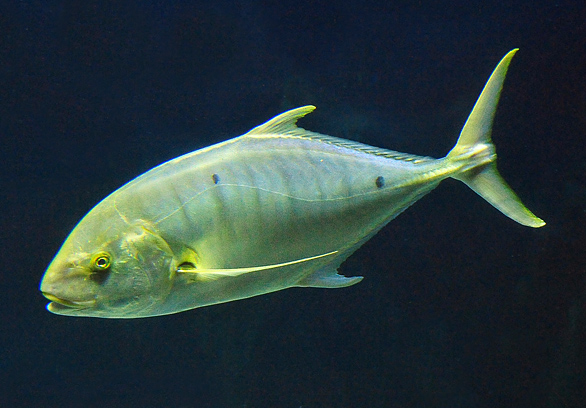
[{"x": 207, "y": 274}]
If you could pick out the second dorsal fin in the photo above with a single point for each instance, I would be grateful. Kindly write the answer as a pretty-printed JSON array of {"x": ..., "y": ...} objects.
[{"x": 285, "y": 123}]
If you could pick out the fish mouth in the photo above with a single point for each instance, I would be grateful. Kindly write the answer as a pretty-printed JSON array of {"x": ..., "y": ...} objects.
[{"x": 74, "y": 304}]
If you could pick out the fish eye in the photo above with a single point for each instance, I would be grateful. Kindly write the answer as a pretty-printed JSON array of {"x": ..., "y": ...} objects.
[{"x": 101, "y": 261}]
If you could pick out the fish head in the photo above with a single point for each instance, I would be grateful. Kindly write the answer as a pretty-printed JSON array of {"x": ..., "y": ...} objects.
[{"x": 109, "y": 267}]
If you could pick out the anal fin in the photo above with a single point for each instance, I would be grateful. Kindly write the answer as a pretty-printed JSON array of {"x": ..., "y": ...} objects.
[{"x": 328, "y": 277}]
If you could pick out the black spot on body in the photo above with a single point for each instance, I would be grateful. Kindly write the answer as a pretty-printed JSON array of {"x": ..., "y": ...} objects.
[
  {"x": 216, "y": 178},
  {"x": 380, "y": 182}
]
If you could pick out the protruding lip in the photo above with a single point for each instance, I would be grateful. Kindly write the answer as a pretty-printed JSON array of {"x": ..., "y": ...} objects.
[{"x": 77, "y": 304}]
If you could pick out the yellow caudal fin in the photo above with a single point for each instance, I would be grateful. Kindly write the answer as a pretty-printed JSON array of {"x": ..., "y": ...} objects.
[{"x": 475, "y": 154}]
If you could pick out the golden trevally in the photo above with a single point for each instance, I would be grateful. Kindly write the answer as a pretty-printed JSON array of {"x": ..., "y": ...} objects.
[{"x": 275, "y": 208}]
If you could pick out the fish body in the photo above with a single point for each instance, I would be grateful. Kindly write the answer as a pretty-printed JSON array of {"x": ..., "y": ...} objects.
[{"x": 277, "y": 207}]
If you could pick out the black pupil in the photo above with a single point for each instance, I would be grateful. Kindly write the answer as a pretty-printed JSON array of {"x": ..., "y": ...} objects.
[{"x": 101, "y": 262}]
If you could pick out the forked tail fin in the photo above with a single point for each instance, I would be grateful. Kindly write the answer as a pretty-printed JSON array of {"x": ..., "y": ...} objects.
[{"x": 475, "y": 155}]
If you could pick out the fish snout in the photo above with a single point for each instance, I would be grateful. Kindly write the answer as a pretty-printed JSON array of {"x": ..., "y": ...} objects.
[
  {"x": 68, "y": 286},
  {"x": 69, "y": 303}
]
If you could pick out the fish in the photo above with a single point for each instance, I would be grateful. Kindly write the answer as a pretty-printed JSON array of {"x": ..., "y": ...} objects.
[{"x": 276, "y": 208}]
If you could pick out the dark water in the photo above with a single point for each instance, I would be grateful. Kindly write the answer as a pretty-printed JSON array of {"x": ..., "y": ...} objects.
[{"x": 460, "y": 306}]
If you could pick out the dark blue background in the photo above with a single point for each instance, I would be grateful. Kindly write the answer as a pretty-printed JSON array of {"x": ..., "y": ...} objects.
[{"x": 460, "y": 307}]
